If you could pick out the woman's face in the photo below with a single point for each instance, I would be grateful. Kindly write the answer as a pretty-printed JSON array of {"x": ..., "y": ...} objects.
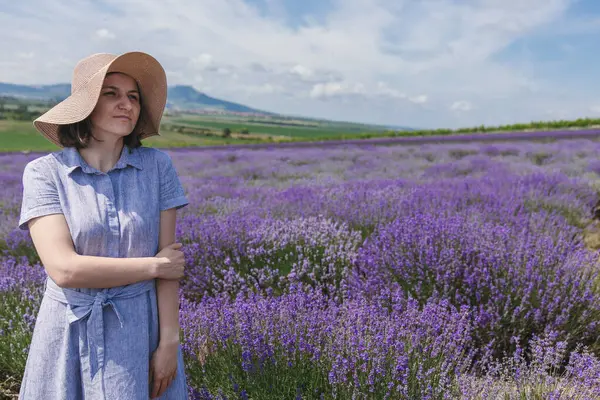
[{"x": 118, "y": 107}]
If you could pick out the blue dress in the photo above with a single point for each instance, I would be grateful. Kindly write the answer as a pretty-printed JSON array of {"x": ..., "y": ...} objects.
[{"x": 97, "y": 343}]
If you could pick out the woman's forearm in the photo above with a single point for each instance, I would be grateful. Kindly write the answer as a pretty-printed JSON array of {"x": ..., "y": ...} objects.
[
  {"x": 72, "y": 270},
  {"x": 167, "y": 292},
  {"x": 104, "y": 272}
]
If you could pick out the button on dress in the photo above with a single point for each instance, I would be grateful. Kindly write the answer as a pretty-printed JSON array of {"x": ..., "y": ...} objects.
[{"x": 91, "y": 343}]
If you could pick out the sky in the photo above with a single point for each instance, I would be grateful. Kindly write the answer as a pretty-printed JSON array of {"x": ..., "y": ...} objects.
[{"x": 416, "y": 63}]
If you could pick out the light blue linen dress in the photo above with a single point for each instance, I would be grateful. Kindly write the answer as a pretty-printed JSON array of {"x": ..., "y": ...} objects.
[{"x": 97, "y": 343}]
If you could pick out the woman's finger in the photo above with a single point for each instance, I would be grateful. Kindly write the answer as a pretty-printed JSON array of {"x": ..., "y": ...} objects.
[
  {"x": 156, "y": 388},
  {"x": 164, "y": 386}
]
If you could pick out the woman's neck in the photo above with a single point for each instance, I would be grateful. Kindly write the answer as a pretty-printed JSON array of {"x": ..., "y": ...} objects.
[{"x": 102, "y": 155}]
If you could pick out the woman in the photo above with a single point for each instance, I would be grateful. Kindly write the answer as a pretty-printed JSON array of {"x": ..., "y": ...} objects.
[{"x": 101, "y": 213}]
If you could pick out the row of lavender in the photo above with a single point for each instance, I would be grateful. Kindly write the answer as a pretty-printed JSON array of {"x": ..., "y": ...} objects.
[{"x": 370, "y": 272}]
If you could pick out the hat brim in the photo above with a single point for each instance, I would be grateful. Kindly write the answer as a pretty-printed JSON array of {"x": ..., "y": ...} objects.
[{"x": 150, "y": 77}]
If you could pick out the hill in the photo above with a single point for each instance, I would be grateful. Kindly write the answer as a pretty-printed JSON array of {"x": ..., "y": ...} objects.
[{"x": 186, "y": 98}]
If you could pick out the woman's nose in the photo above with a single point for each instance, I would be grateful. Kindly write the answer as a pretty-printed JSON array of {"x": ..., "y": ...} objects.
[{"x": 125, "y": 103}]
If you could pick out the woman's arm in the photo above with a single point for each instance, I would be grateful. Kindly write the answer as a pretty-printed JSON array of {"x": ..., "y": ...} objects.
[
  {"x": 163, "y": 366},
  {"x": 168, "y": 290},
  {"x": 53, "y": 243}
]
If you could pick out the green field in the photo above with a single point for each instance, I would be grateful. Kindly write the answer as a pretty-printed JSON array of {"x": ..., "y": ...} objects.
[
  {"x": 195, "y": 130},
  {"x": 22, "y": 136},
  {"x": 307, "y": 130},
  {"x": 192, "y": 130}
]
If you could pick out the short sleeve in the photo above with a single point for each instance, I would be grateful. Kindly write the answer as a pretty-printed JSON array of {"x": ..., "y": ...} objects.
[
  {"x": 40, "y": 194},
  {"x": 172, "y": 194}
]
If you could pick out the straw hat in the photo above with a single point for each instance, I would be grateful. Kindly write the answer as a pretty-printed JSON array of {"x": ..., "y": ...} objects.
[{"x": 88, "y": 77}]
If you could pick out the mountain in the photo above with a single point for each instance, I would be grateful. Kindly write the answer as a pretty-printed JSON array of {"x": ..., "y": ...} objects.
[
  {"x": 179, "y": 97},
  {"x": 187, "y": 98},
  {"x": 44, "y": 92}
]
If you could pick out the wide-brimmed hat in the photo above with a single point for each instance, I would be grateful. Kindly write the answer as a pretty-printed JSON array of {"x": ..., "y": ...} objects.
[{"x": 88, "y": 77}]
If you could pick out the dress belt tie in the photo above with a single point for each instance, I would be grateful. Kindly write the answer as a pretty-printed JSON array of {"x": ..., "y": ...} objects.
[{"x": 83, "y": 306}]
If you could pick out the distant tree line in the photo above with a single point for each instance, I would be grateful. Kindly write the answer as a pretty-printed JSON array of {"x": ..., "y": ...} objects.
[
  {"x": 534, "y": 125},
  {"x": 21, "y": 113},
  {"x": 204, "y": 131},
  {"x": 18, "y": 110},
  {"x": 280, "y": 122},
  {"x": 227, "y": 132}
]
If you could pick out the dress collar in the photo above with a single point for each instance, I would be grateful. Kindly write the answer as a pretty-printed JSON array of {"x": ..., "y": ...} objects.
[{"x": 73, "y": 160}]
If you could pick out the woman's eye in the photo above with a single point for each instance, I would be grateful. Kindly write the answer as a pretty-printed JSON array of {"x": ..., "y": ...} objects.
[
  {"x": 133, "y": 97},
  {"x": 109, "y": 93}
]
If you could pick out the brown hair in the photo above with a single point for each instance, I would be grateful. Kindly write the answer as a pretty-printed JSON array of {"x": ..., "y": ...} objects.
[{"x": 78, "y": 134}]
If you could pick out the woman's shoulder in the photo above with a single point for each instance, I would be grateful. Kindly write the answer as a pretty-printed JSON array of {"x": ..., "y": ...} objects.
[
  {"x": 154, "y": 151},
  {"x": 154, "y": 155},
  {"x": 44, "y": 164}
]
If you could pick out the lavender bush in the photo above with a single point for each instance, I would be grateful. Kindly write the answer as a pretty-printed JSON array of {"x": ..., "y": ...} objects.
[
  {"x": 425, "y": 271},
  {"x": 306, "y": 344},
  {"x": 543, "y": 377},
  {"x": 516, "y": 282},
  {"x": 228, "y": 256},
  {"x": 21, "y": 289}
]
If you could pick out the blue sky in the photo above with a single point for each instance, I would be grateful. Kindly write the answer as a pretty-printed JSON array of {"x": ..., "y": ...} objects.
[{"x": 420, "y": 63}]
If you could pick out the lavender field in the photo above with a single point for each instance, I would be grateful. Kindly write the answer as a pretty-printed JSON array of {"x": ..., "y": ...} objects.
[{"x": 433, "y": 271}]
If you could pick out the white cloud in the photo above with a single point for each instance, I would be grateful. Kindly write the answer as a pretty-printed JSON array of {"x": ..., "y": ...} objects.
[
  {"x": 384, "y": 90},
  {"x": 461, "y": 105},
  {"x": 302, "y": 71},
  {"x": 105, "y": 34},
  {"x": 202, "y": 61},
  {"x": 595, "y": 109},
  {"x": 267, "y": 88},
  {"x": 26, "y": 56},
  {"x": 333, "y": 89},
  {"x": 394, "y": 54},
  {"x": 174, "y": 74},
  {"x": 224, "y": 71},
  {"x": 421, "y": 99}
]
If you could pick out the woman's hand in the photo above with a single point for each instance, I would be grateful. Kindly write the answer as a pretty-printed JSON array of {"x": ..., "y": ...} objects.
[
  {"x": 170, "y": 262},
  {"x": 163, "y": 368}
]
